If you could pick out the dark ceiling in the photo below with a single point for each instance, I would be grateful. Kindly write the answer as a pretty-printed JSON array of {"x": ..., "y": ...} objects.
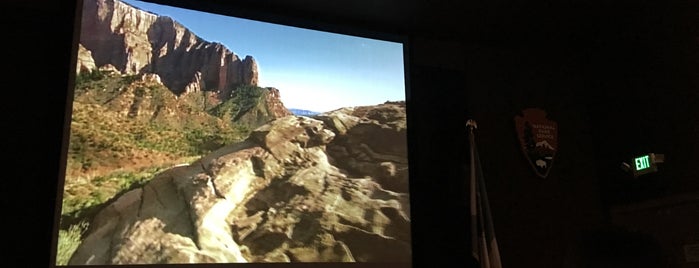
[{"x": 483, "y": 21}]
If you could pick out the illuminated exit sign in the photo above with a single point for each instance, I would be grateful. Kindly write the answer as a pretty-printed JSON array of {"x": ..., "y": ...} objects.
[
  {"x": 645, "y": 164},
  {"x": 642, "y": 162}
]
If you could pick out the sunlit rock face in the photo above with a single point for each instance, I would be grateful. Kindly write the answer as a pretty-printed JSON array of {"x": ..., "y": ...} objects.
[
  {"x": 135, "y": 41},
  {"x": 85, "y": 62},
  {"x": 299, "y": 189},
  {"x": 274, "y": 103},
  {"x": 372, "y": 141}
]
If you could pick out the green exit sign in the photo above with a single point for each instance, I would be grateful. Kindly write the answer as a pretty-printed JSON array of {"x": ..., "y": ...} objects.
[
  {"x": 642, "y": 162},
  {"x": 645, "y": 164}
]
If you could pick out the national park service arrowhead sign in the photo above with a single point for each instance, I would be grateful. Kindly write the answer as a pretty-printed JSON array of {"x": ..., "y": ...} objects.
[{"x": 538, "y": 138}]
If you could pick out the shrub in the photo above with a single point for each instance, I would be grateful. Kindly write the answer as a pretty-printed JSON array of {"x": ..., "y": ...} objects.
[
  {"x": 87, "y": 76},
  {"x": 248, "y": 96},
  {"x": 68, "y": 242}
]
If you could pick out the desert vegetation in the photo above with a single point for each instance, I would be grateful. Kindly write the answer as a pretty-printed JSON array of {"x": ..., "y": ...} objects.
[
  {"x": 69, "y": 242},
  {"x": 124, "y": 130}
]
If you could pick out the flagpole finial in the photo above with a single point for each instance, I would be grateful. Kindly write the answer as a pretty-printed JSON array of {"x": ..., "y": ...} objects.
[{"x": 471, "y": 124}]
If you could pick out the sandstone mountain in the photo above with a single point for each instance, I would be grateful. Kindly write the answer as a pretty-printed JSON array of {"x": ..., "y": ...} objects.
[
  {"x": 252, "y": 106},
  {"x": 135, "y": 42},
  {"x": 116, "y": 116},
  {"x": 329, "y": 188}
]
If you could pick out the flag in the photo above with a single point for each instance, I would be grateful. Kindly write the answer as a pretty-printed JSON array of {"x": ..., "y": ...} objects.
[{"x": 484, "y": 245}]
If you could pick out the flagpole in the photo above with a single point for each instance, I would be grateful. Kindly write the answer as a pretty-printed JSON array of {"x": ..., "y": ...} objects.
[
  {"x": 489, "y": 229},
  {"x": 471, "y": 125},
  {"x": 484, "y": 244},
  {"x": 485, "y": 253}
]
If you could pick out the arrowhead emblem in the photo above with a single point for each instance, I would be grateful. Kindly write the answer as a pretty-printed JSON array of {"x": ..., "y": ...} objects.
[{"x": 538, "y": 138}]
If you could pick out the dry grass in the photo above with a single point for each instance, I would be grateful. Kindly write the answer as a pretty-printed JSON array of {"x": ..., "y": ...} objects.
[{"x": 68, "y": 242}]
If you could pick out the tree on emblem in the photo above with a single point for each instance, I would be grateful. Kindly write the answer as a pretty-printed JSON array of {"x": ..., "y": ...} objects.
[
  {"x": 538, "y": 139},
  {"x": 529, "y": 142}
]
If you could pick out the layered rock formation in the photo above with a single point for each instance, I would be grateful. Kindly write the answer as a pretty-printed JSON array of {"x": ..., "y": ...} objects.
[
  {"x": 144, "y": 99},
  {"x": 372, "y": 142},
  {"x": 297, "y": 190},
  {"x": 85, "y": 63},
  {"x": 147, "y": 99},
  {"x": 268, "y": 107},
  {"x": 135, "y": 41}
]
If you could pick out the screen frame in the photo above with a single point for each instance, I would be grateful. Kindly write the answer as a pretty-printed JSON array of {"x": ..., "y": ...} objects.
[{"x": 260, "y": 14}]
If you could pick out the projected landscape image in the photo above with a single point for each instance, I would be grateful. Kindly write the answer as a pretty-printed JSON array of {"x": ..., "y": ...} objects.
[{"x": 202, "y": 138}]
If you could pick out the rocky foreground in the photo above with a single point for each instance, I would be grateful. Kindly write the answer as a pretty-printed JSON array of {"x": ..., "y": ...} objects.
[{"x": 332, "y": 188}]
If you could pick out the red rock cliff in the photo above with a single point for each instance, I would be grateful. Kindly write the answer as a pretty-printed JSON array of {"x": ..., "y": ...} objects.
[{"x": 136, "y": 41}]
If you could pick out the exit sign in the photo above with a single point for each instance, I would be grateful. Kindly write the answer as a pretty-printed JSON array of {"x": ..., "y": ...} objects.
[{"x": 644, "y": 164}]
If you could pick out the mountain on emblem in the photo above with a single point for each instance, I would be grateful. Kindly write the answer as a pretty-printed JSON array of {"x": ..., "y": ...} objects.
[
  {"x": 544, "y": 144},
  {"x": 538, "y": 137}
]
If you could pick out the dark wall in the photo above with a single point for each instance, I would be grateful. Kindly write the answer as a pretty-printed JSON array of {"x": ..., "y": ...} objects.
[
  {"x": 438, "y": 182},
  {"x": 494, "y": 61},
  {"x": 453, "y": 81},
  {"x": 35, "y": 67},
  {"x": 535, "y": 216},
  {"x": 619, "y": 79},
  {"x": 645, "y": 98}
]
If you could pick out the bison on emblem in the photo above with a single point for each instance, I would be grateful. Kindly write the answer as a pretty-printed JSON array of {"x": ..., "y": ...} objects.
[{"x": 538, "y": 137}]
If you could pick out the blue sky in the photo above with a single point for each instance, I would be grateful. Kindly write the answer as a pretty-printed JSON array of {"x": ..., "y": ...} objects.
[{"x": 313, "y": 70}]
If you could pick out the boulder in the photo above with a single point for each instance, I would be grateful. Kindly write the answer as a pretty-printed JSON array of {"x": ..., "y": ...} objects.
[{"x": 279, "y": 196}]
